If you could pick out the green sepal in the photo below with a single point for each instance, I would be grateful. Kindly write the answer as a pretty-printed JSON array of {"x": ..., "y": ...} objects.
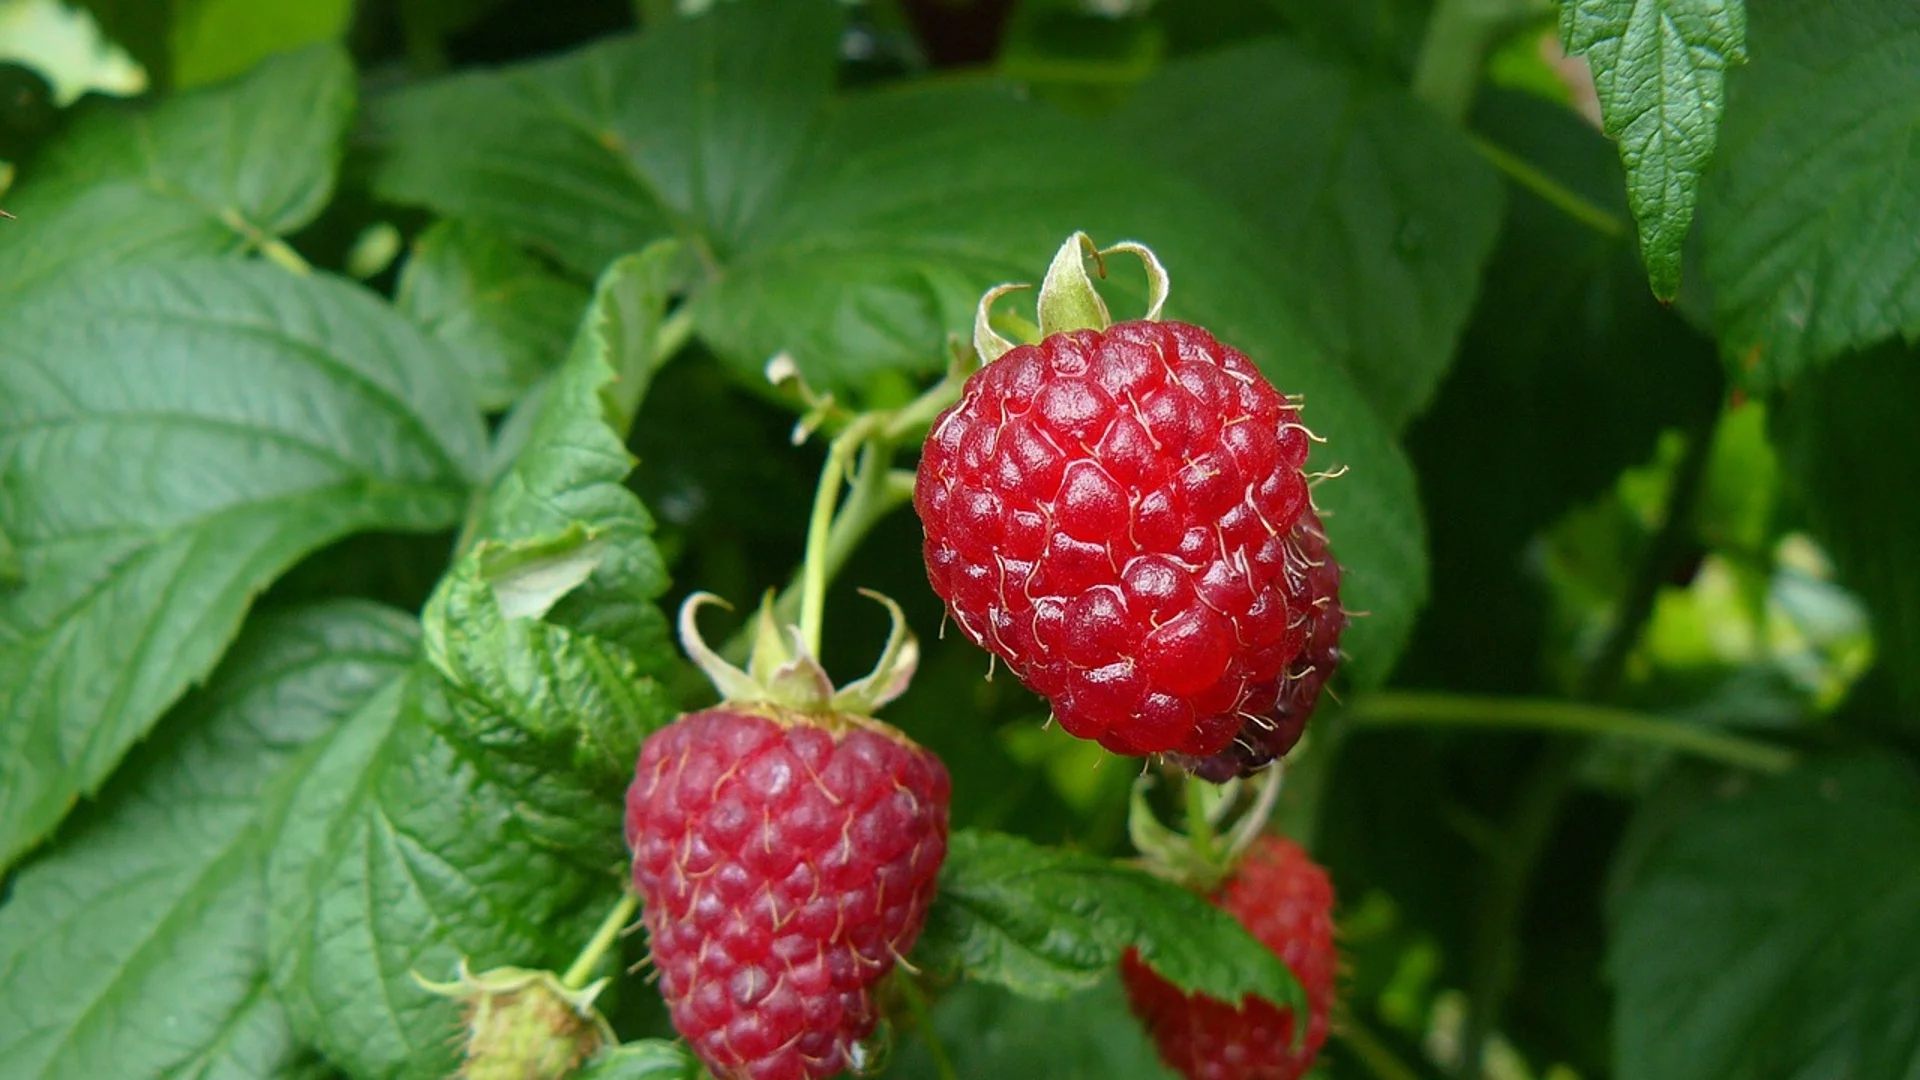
[
  {"x": 782, "y": 672},
  {"x": 1068, "y": 300}
]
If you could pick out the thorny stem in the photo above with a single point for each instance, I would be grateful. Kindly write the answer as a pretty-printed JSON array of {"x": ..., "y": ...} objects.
[
  {"x": 923, "y": 1022},
  {"x": 1550, "y": 781},
  {"x": 582, "y": 967},
  {"x": 1396, "y": 708}
]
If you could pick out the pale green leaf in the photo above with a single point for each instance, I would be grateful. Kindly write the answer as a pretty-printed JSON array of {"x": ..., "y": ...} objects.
[
  {"x": 505, "y": 315},
  {"x": 171, "y": 438},
  {"x": 1812, "y": 206},
  {"x": 1659, "y": 68},
  {"x": 217, "y": 170},
  {"x": 1771, "y": 935},
  {"x": 137, "y": 948},
  {"x": 1046, "y": 923},
  {"x": 64, "y": 44}
]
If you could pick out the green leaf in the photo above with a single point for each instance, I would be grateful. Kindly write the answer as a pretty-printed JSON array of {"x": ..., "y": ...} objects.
[
  {"x": 396, "y": 851},
  {"x": 1846, "y": 441},
  {"x": 546, "y": 629},
  {"x": 688, "y": 130},
  {"x": 1045, "y": 923},
  {"x": 9, "y": 562},
  {"x": 218, "y": 39},
  {"x": 1810, "y": 211},
  {"x": 171, "y": 438},
  {"x": 986, "y": 1031},
  {"x": 1659, "y": 68},
  {"x": 1381, "y": 213},
  {"x": 208, "y": 172},
  {"x": 152, "y": 906},
  {"x": 501, "y": 311},
  {"x": 648, "y": 1059},
  {"x": 571, "y": 470},
  {"x": 1772, "y": 935}
]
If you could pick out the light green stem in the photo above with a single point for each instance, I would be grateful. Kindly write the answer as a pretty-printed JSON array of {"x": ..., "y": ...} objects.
[
  {"x": 1199, "y": 825},
  {"x": 1374, "y": 1054},
  {"x": 813, "y": 568},
  {"x": 1404, "y": 708},
  {"x": 1553, "y": 192},
  {"x": 582, "y": 967},
  {"x": 275, "y": 249},
  {"x": 1454, "y": 50},
  {"x": 923, "y": 1022}
]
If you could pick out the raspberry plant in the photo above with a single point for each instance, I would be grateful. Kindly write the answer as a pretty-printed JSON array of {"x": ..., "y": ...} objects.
[{"x": 377, "y": 375}]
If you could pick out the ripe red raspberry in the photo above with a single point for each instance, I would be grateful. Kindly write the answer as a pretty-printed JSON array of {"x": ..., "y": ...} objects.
[
  {"x": 1109, "y": 512},
  {"x": 1265, "y": 737},
  {"x": 1285, "y": 900},
  {"x": 786, "y": 860}
]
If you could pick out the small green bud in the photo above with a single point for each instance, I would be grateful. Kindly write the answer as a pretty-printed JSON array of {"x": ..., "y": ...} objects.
[{"x": 525, "y": 1025}]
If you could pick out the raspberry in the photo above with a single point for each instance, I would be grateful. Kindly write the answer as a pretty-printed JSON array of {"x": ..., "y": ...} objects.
[
  {"x": 1268, "y": 736},
  {"x": 1113, "y": 512},
  {"x": 786, "y": 861},
  {"x": 1285, "y": 900}
]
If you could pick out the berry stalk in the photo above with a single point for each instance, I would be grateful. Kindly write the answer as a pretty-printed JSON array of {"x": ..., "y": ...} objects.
[
  {"x": 617, "y": 918},
  {"x": 1404, "y": 709},
  {"x": 835, "y": 529},
  {"x": 813, "y": 568}
]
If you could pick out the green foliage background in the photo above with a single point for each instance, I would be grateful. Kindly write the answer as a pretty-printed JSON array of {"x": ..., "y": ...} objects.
[{"x": 372, "y": 386}]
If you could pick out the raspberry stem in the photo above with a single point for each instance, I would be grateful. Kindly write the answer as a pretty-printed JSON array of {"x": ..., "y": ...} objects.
[
  {"x": 1453, "y": 52},
  {"x": 917, "y": 1007},
  {"x": 834, "y": 529},
  {"x": 813, "y": 570},
  {"x": 1200, "y": 796},
  {"x": 582, "y": 967},
  {"x": 1397, "y": 708}
]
